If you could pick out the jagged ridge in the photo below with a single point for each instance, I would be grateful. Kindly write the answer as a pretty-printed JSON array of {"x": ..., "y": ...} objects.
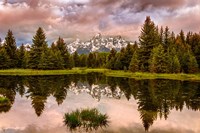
[{"x": 97, "y": 43}]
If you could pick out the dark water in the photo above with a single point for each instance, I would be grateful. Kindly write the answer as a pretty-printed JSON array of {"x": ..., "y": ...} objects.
[{"x": 133, "y": 106}]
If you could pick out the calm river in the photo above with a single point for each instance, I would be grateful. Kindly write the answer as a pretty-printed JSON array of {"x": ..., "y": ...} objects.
[{"x": 38, "y": 103}]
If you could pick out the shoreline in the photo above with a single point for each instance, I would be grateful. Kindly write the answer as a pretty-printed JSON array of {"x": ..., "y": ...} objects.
[{"x": 107, "y": 72}]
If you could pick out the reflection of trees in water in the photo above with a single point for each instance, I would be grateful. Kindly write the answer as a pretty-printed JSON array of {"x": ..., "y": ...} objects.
[
  {"x": 155, "y": 97},
  {"x": 40, "y": 88},
  {"x": 38, "y": 91},
  {"x": 158, "y": 97},
  {"x": 8, "y": 90}
]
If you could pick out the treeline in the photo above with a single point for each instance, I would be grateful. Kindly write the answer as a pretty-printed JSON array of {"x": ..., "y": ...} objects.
[
  {"x": 158, "y": 51},
  {"x": 40, "y": 56}
]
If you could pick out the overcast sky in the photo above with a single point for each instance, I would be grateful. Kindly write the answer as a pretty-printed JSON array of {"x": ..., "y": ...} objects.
[{"x": 82, "y": 19}]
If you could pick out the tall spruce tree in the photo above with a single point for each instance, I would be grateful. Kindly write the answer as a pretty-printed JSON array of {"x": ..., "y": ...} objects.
[
  {"x": 111, "y": 59},
  {"x": 161, "y": 35},
  {"x": 44, "y": 61},
  {"x": 192, "y": 64},
  {"x": 194, "y": 41},
  {"x": 174, "y": 65},
  {"x": 61, "y": 46},
  {"x": 38, "y": 49},
  {"x": 158, "y": 61},
  {"x": 167, "y": 40},
  {"x": 91, "y": 60},
  {"x": 11, "y": 49},
  {"x": 127, "y": 55},
  {"x": 56, "y": 60},
  {"x": 22, "y": 60},
  {"x": 4, "y": 59},
  {"x": 68, "y": 61},
  {"x": 149, "y": 38},
  {"x": 182, "y": 36},
  {"x": 76, "y": 59},
  {"x": 134, "y": 64},
  {"x": 118, "y": 62},
  {"x": 83, "y": 60}
]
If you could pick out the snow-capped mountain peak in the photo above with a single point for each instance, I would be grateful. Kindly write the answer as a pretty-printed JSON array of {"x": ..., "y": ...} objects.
[{"x": 97, "y": 43}]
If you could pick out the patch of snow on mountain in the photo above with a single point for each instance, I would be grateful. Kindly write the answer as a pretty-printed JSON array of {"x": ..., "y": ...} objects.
[{"x": 97, "y": 43}]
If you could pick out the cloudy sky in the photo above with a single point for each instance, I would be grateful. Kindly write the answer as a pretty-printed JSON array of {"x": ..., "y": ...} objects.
[{"x": 82, "y": 19}]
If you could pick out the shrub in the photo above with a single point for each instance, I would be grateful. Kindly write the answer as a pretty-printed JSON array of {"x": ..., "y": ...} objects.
[{"x": 87, "y": 119}]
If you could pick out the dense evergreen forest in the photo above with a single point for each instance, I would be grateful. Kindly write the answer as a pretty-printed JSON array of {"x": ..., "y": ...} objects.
[{"x": 158, "y": 51}]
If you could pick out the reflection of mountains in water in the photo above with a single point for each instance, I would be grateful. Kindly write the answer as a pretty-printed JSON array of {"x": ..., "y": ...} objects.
[
  {"x": 155, "y": 98},
  {"x": 96, "y": 91}
]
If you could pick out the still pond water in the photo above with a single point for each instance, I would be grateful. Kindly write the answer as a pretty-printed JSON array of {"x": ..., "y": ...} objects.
[{"x": 133, "y": 106}]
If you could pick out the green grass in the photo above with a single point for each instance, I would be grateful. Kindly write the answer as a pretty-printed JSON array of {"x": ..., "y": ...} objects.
[
  {"x": 112, "y": 73},
  {"x": 87, "y": 119},
  {"x": 31, "y": 72},
  {"x": 140, "y": 75}
]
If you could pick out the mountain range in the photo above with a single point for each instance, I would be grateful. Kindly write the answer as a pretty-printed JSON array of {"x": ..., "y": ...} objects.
[{"x": 97, "y": 44}]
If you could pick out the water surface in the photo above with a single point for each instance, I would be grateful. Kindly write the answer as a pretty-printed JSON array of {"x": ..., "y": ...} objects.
[{"x": 157, "y": 106}]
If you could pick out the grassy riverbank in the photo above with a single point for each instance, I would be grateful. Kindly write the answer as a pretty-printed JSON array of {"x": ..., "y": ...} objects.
[{"x": 112, "y": 73}]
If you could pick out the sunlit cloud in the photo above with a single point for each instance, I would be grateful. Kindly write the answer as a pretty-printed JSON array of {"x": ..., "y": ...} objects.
[{"x": 85, "y": 18}]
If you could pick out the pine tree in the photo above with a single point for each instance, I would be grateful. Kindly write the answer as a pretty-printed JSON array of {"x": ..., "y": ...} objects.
[
  {"x": 161, "y": 35},
  {"x": 111, "y": 59},
  {"x": 158, "y": 61},
  {"x": 83, "y": 60},
  {"x": 128, "y": 53},
  {"x": 57, "y": 60},
  {"x": 149, "y": 38},
  {"x": 11, "y": 49},
  {"x": 68, "y": 61},
  {"x": 22, "y": 60},
  {"x": 76, "y": 59},
  {"x": 120, "y": 60},
  {"x": 118, "y": 63},
  {"x": 45, "y": 62},
  {"x": 176, "y": 65},
  {"x": 134, "y": 64},
  {"x": 194, "y": 41},
  {"x": 192, "y": 64},
  {"x": 38, "y": 49},
  {"x": 112, "y": 53},
  {"x": 182, "y": 36},
  {"x": 71, "y": 62},
  {"x": 62, "y": 48},
  {"x": 183, "y": 51},
  {"x": 4, "y": 59},
  {"x": 167, "y": 40},
  {"x": 90, "y": 60}
]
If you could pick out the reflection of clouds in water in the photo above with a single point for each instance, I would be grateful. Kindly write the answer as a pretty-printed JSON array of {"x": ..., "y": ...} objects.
[
  {"x": 123, "y": 115},
  {"x": 136, "y": 128},
  {"x": 133, "y": 128},
  {"x": 35, "y": 129}
]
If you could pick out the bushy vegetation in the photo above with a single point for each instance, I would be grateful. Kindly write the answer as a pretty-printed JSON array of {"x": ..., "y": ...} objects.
[
  {"x": 87, "y": 119},
  {"x": 5, "y": 104},
  {"x": 158, "y": 51},
  {"x": 4, "y": 100}
]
